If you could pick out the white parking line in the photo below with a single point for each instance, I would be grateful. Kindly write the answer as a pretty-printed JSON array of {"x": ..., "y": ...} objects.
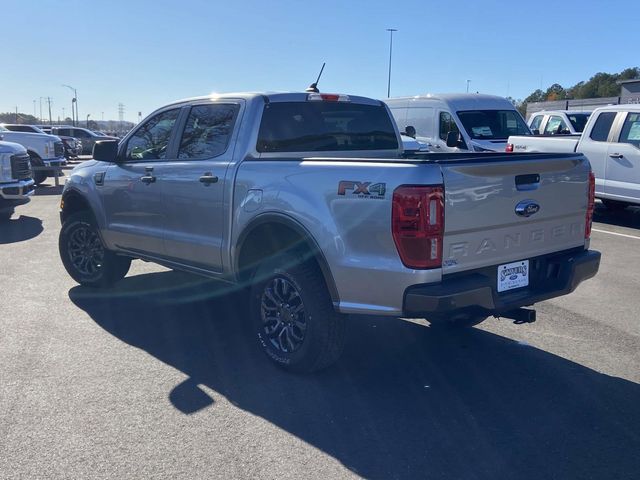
[{"x": 615, "y": 233}]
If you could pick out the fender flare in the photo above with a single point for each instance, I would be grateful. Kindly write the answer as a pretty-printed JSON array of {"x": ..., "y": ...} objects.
[{"x": 301, "y": 230}]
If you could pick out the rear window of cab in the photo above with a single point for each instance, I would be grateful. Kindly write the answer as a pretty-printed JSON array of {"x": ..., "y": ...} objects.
[{"x": 325, "y": 126}]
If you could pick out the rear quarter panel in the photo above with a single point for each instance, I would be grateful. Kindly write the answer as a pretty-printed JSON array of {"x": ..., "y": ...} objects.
[{"x": 352, "y": 230}]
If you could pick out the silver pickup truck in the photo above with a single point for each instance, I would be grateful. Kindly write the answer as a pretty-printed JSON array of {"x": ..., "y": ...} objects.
[
  {"x": 307, "y": 201},
  {"x": 611, "y": 143}
]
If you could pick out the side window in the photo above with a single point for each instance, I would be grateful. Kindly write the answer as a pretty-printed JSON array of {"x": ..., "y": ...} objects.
[
  {"x": 447, "y": 124},
  {"x": 64, "y": 131},
  {"x": 631, "y": 130},
  {"x": 600, "y": 130},
  {"x": 207, "y": 131},
  {"x": 535, "y": 123},
  {"x": 556, "y": 126},
  {"x": 151, "y": 140}
]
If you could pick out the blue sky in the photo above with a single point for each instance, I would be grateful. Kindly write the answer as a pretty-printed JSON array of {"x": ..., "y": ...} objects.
[{"x": 146, "y": 53}]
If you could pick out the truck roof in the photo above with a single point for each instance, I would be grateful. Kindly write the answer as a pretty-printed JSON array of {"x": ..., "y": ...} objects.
[
  {"x": 618, "y": 108},
  {"x": 566, "y": 112},
  {"x": 274, "y": 97},
  {"x": 460, "y": 101}
]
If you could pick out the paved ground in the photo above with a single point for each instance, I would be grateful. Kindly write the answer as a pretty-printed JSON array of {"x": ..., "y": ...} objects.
[{"x": 158, "y": 380}]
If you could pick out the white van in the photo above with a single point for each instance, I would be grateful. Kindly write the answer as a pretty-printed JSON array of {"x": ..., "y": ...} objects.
[{"x": 458, "y": 122}]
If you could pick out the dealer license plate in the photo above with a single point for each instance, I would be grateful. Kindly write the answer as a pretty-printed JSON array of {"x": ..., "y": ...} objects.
[{"x": 513, "y": 275}]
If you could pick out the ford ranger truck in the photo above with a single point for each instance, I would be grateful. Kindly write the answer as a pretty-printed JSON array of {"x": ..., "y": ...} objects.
[
  {"x": 307, "y": 201},
  {"x": 16, "y": 184},
  {"x": 611, "y": 143},
  {"x": 44, "y": 151}
]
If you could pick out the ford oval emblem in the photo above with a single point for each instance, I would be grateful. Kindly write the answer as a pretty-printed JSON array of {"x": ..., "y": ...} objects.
[{"x": 526, "y": 208}]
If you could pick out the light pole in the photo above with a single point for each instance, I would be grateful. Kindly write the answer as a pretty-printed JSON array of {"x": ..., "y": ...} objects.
[
  {"x": 41, "y": 110},
  {"x": 88, "y": 115},
  {"x": 74, "y": 102},
  {"x": 468, "y": 82},
  {"x": 63, "y": 116},
  {"x": 390, "y": 30},
  {"x": 34, "y": 107}
]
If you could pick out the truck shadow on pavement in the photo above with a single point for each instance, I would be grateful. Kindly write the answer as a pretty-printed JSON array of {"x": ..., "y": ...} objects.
[
  {"x": 404, "y": 401},
  {"x": 44, "y": 190},
  {"x": 628, "y": 217},
  {"x": 19, "y": 229}
]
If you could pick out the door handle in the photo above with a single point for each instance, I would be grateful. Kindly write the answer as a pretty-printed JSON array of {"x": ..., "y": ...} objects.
[
  {"x": 148, "y": 179},
  {"x": 208, "y": 178},
  {"x": 616, "y": 155}
]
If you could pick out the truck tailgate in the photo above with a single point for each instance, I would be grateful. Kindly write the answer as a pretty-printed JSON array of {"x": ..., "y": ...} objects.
[{"x": 482, "y": 197}]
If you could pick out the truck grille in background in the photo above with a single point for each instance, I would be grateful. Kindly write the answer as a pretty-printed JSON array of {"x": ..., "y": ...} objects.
[
  {"x": 58, "y": 149},
  {"x": 20, "y": 167}
]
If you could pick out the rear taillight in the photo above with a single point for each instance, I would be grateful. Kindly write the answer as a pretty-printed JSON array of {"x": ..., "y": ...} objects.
[
  {"x": 417, "y": 224},
  {"x": 591, "y": 205},
  {"x": 509, "y": 148}
]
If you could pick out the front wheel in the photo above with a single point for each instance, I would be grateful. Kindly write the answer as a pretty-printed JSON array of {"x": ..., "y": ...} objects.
[
  {"x": 293, "y": 316},
  {"x": 39, "y": 176},
  {"x": 84, "y": 256}
]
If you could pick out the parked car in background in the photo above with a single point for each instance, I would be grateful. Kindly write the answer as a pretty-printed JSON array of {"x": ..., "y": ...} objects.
[
  {"x": 86, "y": 136},
  {"x": 611, "y": 142},
  {"x": 16, "y": 184},
  {"x": 72, "y": 146},
  {"x": 309, "y": 201},
  {"x": 558, "y": 122},
  {"x": 44, "y": 151},
  {"x": 459, "y": 122}
]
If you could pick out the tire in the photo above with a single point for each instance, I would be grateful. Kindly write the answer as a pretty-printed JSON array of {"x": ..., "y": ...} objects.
[
  {"x": 84, "y": 256},
  {"x": 39, "y": 176},
  {"x": 5, "y": 215},
  {"x": 293, "y": 316},
  {"x": 614, "y": 205}
]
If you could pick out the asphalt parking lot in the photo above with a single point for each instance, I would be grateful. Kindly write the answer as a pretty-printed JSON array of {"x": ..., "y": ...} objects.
[{"x": 158, "y": 378}]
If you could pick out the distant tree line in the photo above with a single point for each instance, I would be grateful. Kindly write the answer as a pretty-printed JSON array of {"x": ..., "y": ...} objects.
[
  {"x": 13, "y": 117},
  {"x": 598, "y": 86},
  {"x": 26, "y": 119}
]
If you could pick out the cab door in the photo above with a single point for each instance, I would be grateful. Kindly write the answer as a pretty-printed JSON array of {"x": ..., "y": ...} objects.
[
  {"x": 594, "y": 145},
  {"x": 623, "y": 162},
  {"x": 194, "y": 185},
  {"x": 447, "y": 123},
  {"x": 131, "y": 191}
]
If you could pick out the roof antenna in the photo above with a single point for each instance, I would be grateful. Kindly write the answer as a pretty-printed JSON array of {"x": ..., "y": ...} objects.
[{"x": 313, "y": 88}]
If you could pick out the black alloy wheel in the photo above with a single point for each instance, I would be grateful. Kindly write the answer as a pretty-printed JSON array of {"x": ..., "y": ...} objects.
[{"x": 283, "y": 315}]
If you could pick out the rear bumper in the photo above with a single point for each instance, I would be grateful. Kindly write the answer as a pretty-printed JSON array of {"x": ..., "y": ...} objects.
[{"x": 550, "y": 276}]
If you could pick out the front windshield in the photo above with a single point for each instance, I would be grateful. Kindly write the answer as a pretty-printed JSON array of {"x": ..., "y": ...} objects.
[
  {"x": 578, "y": 120},
  {"x": 492, "y": 124}
]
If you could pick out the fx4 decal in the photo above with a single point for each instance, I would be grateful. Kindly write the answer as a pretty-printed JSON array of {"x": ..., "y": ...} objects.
[{"x": 362, "y": 189}]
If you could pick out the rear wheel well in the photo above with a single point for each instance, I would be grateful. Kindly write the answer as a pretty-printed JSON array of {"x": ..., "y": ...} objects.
[{"x": 271, "y": 238}]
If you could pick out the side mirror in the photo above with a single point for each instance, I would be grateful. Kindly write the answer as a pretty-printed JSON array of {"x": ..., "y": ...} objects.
[
  {"x": 453, "y": 139},
  {"x": 410, "y": 131},
  {"x": 105, "y": 151},
  {"x": 535, "y": 131}
]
